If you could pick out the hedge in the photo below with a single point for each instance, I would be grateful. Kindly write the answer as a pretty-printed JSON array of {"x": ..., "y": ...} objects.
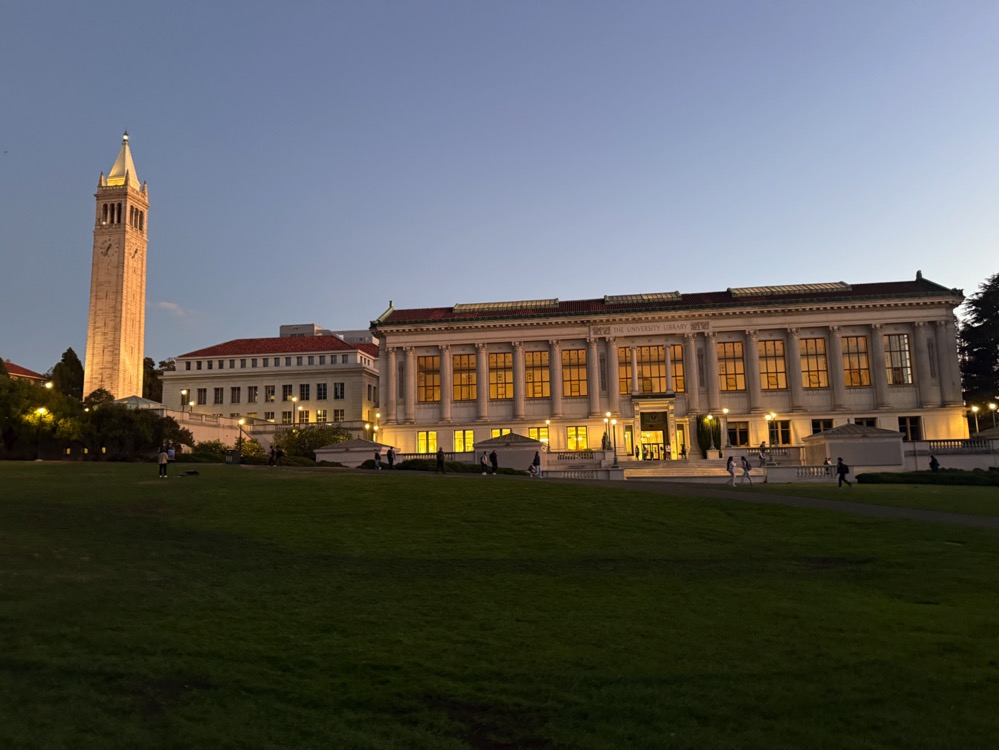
[{"x": 975, "y": 477}]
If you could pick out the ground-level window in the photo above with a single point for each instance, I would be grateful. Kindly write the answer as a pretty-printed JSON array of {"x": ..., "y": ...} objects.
[
  {"x": 779, "y": 432},
  {"x": 269, "y": 416},
  {"x": 320, "y": 415},
  {"x": 464, "y": 441},
  {"x": 575, "y": 438},
  {"x": 338, "y": 415},
  {"x": 866, "y": 421},
  {"x": 821, "y": 425},
  {"x": 286, "y": 417},
  {"x": 537, "y": 375},
  {"x": 538, "y": 433},
  {"x": 303, "y": 415},
  {"x": 738, "y": 434},
  {"x": 426, "y": 441},
  {"x": 499, "y": 432},
  {"x": 911, "y": 428}
]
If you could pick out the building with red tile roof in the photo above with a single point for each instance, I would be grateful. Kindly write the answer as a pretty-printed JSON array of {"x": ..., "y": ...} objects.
[
  {"x": 16, "y": 372},
  {"x": 769, "y": 364}
]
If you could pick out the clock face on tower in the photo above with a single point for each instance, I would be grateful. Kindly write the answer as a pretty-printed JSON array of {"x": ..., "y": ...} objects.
[{"x": 108, "y": 247}]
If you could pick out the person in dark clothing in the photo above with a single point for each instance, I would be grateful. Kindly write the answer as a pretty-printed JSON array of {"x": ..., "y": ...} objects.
[
  {"x": 378, "y": 459},
  {"x": 842, "y": 470},
  {"x": 440, "y": 460},
  {"x": 934, "y": 464},
  {"x": 391, "y": 457},
  {"x": 537, "y": 464},
  {"x": 273, "y": 457},
  {"x": 494, "y": 461}
]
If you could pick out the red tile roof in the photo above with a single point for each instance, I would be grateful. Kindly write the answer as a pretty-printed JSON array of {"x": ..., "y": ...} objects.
[
  {"x": 16, "y": 371},
  {"x": 687, "y": 302},
  {"x": 278, "y": 345}
]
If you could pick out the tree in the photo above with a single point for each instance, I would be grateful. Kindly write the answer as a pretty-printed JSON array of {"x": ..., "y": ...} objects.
[
  {"x": 67, "y": 375},
  {"x": 3, "y": 369},
  {"x": 97, "y": 398},
  {"x": 303, "y": 442},
  {"x": 978, "y": 341},
  {"x": 152, "y": 385}
]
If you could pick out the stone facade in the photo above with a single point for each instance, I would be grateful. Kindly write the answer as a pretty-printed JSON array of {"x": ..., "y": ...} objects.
[
  {"x": 117, "y": 319},
  {"x": 770, "y": 364}
]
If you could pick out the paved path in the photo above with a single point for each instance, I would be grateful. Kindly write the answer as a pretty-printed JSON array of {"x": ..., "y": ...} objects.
[{"x": 842, "y": 506}]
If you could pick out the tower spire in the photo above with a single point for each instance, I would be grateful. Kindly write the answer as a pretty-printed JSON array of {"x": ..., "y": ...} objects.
[{"x": 123, "y": 165}]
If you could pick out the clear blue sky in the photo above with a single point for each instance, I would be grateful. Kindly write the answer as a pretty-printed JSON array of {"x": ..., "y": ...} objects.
[{"x": 308, "y": 162}]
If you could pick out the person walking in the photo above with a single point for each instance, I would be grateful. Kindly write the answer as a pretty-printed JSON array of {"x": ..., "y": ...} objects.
[
  {"x": 747, "y": 467},
  {"x": 273, "y": 460},
  {"x": 537, "y": 464},
  {"x": 164, "y": 459},
  {"x": 842, "y": 470},
  {"x": 378, "y": 459},
  {"x": 494, "y": 462},
  {"x": 730, "y": 468},
  {"x": 440, "y": 460},
  {"x": 391, "y": 457},
  {"x": 484, "y": 463},
  {"x": 934, "y": 464}
]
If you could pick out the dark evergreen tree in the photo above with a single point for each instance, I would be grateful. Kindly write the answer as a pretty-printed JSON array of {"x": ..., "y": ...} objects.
[
  {"x": 978, "y": 340},
  {"x": 67, "y": 375}
]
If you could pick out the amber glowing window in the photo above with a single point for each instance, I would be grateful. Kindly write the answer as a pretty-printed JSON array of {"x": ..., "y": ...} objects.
[
  {"x": 897, "y": 359},
  {"x": 463, "y": 372},
  {"x": 624, "y": 369},
  {"x": 773, "y": 367},
  {"x": 428, "y": 381},
  {"x": 537, "y": 375},
  {"x": 651, "y": 363},
  {"x": 814, "y": 367},
  {"x": 731, "y": 366},
  {"x": 464, "y": 441},
  {"x": 574, "y": 372},
  {"x": 575, "y": 438},
  {"x": 501, "y": 375},
  {"x": 856, "y": 362},
  {"x": 426, "y": 441},
  {"x": 679, "y": 373}
]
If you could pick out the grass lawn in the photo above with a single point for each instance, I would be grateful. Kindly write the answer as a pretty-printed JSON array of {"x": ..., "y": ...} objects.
[
  {"x": 974, "y": 501},
  {"x": 273, "y": 608}
]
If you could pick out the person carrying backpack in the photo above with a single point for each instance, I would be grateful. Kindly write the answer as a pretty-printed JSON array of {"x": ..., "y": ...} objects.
[{"x": 842, "y": 470}]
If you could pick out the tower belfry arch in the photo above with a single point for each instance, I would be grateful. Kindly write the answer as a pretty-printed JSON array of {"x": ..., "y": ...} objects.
[{"x": 117, "y": 320}]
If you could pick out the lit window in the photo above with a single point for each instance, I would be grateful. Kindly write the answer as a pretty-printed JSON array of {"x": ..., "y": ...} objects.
[
  {"x": 676, "y": 360},
  {"x": 856, "y": 363},
  {"x": 499, "y": 432},
  {"x": 773, "y": 366},
  {"x": 575, "y": 438},
  {"x": 501, "y": 375},
  {"x": 428, "y": 379},
  {"x": 464, "y": 441},
  {"x": 463, "y": 370},
  {"x": 426, "y": 441},
  {"x": 537, "y": 375},
  {"x": 574, "y": 372},
  {"x": 814, "y": 368}
]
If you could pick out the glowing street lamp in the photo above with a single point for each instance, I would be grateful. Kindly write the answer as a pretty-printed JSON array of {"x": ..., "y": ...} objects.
[
  {"x": 294, "y": 403},
  {"x": 548, "y": 432},
  {"x": 711, "y": 431},
  {"x": 239, "y": 444},
  {"x": 992, "y": 408},
  {"x": 728, "y": 440},
  {"x": 184, "y": 400},
  {"x": 771, "y": 427},
  {"x": 40, "y": 413},
  {"x": 48, "y": 385},
  {"x": 974, "y": 410},
  {"x": 614, "y": 441}
]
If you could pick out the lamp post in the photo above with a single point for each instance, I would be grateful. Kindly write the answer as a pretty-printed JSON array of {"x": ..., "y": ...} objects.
[
  {"x": 607, "y": 427},
  {"x": 728, "y": 439},
  {"x": 239, "y": 443},
  {"x": 711, "y": 431},
  {"x": 614, "y": 441},
  {"x": 300, "y": 415},
  {"x": 184, "y": 400},
  {"x": 992, "y": 408},
  {"x": 367, "y": 430},
  {"x": 40, "y": 413},
  {"x": 294, "y": 404},
  {"x": 771, "y": 427},
  {"x": 548, "y": 434},
  {"x": 974, "y": 410}
]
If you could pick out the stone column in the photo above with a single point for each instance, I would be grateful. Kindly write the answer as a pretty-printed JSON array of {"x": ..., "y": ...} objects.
[
  {"x": 409, "y": 387},
  {"x": 836, "y": 369},
  {"x": 447, "y": 383},
  {"x": 555, "y": 376},
  {"x": 794, "y": 370},
  {"x": 711, "y": 370},
  {"x": 752, "y": 351},
  {"x": 613, "y": 381},
  {"x": 880, "y": 367},
  {"x": 950, "y": 374},
  {"x": 519, "y": 381},
  {"x": 391, "y": 393},
  {"x": 669, "y": 367},
  {"x": 690, "y": 370},
  {"x": 593, "y": 376},
  {"x": 924, "y": 385},
  {"x": 482, "y": 382}
]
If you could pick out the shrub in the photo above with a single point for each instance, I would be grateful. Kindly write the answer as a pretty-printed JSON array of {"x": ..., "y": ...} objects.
[{"x": 976, "y": 477}]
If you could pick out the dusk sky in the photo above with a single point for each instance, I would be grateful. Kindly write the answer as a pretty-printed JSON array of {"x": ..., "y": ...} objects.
[{"x": 308, "y": 162}]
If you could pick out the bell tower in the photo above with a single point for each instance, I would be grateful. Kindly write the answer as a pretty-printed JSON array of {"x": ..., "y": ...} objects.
[{"x": 117, "y": 322}]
